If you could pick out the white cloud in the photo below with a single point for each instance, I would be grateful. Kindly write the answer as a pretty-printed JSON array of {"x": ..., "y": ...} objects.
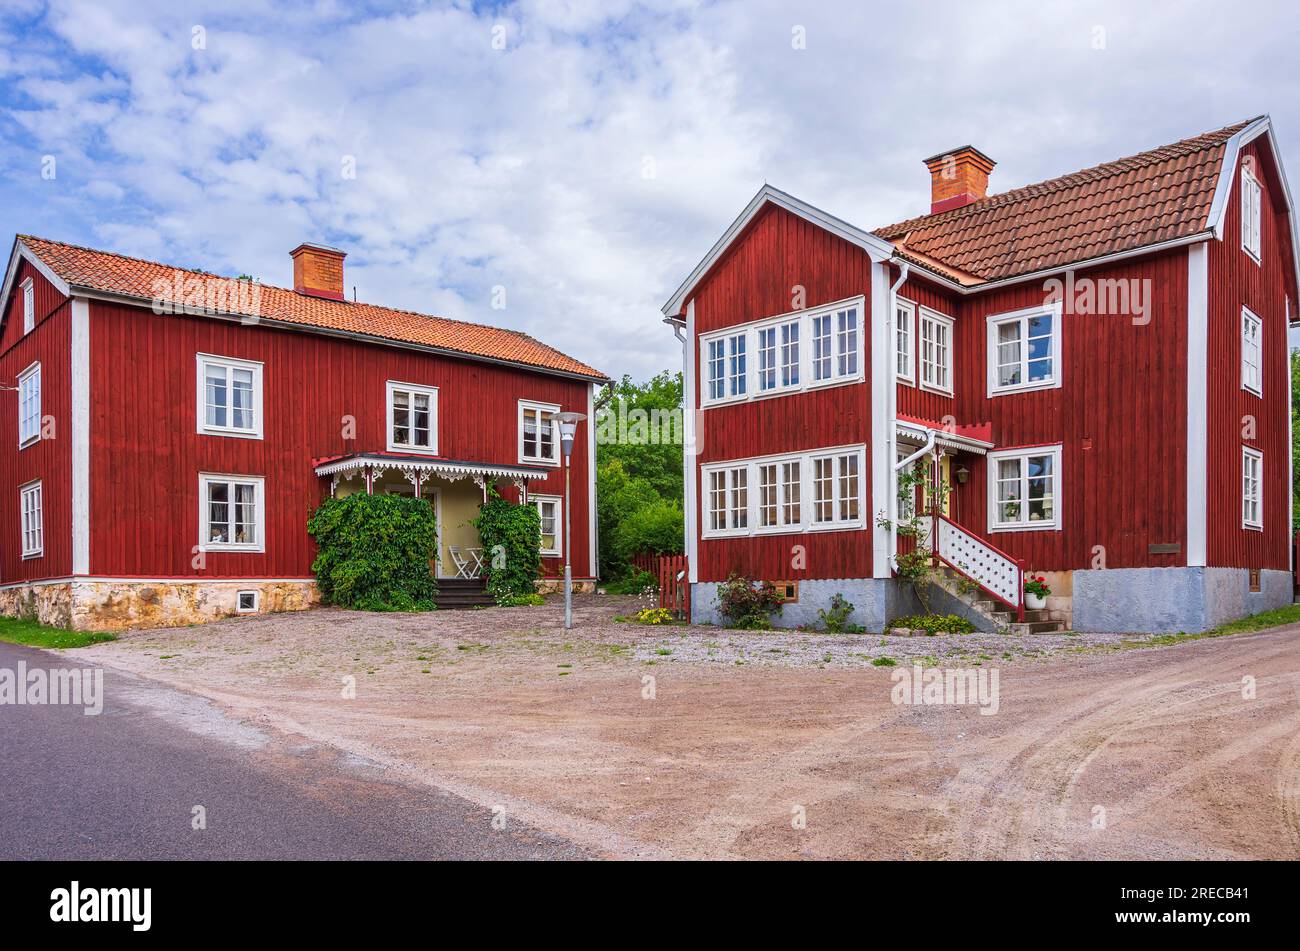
[{"x": 526, "y": 167}]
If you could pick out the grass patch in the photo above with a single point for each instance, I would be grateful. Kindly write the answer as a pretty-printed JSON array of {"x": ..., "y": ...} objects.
[{"x": 19, "y": 631}]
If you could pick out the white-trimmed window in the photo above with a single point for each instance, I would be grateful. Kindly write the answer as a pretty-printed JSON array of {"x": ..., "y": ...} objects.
[
  {"x": 412, "y": 418},
  {"x": 766, "y": 495},
  {"x": 1252, "y": 497},
  {"x": 229, "y": 396},
  {"x": 33, "y": 519},
  {"x": 1025, "y": 489},
  {"x": 1251, "y": 196},
  {"x": 904, "y": 335},
  {"x": 936, "y": 351},
  {"x": 247, "y": 602},
  {"x": 29, "y": 405},
  {"x": 1024, "y": 350},
  {"x": 538, "y": 433},
  {"x": 29, "y": 306},
  {"x": 791, "y": 353},
  {"x": 232, "y": 512},
  {"x": 550, "y": 511},
  {"x": 1252, "y": 333}
]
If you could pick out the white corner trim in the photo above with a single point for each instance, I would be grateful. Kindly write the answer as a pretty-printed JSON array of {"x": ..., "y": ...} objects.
[
  {"x": 1198, "y": 324},
  {"x": 882, "y": 426},
  {"x": 80, "y": 436},
  {"x": 690, "y": 448},
  {"x": 878, "y": 248},
  {"x": 591, "y": 478}
]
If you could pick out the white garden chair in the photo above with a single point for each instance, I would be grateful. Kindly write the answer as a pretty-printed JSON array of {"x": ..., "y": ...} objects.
[{"x": 462, "y": 563}]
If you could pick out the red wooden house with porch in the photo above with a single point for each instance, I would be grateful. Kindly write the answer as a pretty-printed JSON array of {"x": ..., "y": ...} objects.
[
  {"x": 169, "y": 432},
  {"x": 1097, "y": 365}
]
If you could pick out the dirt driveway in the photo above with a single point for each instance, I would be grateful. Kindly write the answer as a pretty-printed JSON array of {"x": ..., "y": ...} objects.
[{"x": 639, "y": 742}]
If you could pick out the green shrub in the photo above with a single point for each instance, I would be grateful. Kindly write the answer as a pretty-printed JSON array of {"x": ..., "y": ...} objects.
[
  {"x": 511, "y": 536},
  {"x": 635, "y": 583},
  {"x": 836, "y": 620},
  {"x": 375, "y": 552},
  {"x": 522, "y": 600},
  {"x": 657, "y": 528},
  {"x": 934, "y": 623},
  {"x": 746, "y": 604}
]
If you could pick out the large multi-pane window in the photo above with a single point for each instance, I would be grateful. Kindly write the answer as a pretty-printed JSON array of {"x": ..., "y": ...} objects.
[
  {"x": 830, "y": 479},
  {"x": 792, "y": 353},
  {"x": 1024, "y": 349},
  {"x": 412, "y": 418},
  {"x": 1252, "y": 477},
  {"x": 538, "y": 433},
  {"x": 936, "y": 350},
  {"x": 33, "y": 519},
  {"x": 231, "y": 512},
  {"x": 1024, "y": 489},
  {"x": 230, "y": 396},
  {"x": 1252, "y": 331},
  {"x": 550, "y": 512},
  {"x": 29, "y": 405}
]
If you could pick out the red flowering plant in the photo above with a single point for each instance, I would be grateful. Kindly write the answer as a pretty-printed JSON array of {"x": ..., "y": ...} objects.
[{"x": 1037, "y": 586}]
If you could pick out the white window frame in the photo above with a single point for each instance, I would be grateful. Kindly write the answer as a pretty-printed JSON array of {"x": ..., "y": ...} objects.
[
  {"x": 714, "y": 362},
  {"x": 1023, "y": 524},
  {"x": 31, "y": 507},
  {"x": 558, "y": 501},
  {"x": 1251, "y": 199},
  {"x": 905, "y": 341},
  {"x": 1252, "y": 375},
  {"x": 202, "y": 361},
  {"x": 1257, "y": 523},
  {"x": 806, "y": 502},
  {"x": 926, "y": 366},
  {"x": 257, "y": 601},
  {"x": 259, "y": 512},
  {"x": 392, "y": 387},
  {"x": 1022, "y": 317},
  {"x": 29, "y": 377},
  {"x": 533, "y": 406},
  {"x": 29, "y": 305}
]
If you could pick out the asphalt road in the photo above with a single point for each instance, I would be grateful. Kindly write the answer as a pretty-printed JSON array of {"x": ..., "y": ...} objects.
[{"x": 125, "y": 784}]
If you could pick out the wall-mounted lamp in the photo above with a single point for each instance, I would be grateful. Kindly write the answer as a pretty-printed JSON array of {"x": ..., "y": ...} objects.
[{"x": 962, "y": 475}]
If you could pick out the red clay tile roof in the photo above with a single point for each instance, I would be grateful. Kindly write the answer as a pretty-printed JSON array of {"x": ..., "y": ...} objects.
[
  {"x": 132, "y": 277},
  {"x": 1150, "y": 197}
]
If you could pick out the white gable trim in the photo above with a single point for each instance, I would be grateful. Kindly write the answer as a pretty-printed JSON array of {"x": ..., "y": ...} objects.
[
  {"x": 1228, "y": 174},
  {"x": 879, "y": 249},
  {"x": 23, "y": 253}
]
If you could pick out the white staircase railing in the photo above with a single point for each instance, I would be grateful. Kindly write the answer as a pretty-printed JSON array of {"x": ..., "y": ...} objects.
[{"x": 996, "y": 572}]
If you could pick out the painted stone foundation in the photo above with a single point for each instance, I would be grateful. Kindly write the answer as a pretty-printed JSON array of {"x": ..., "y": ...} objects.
[
  {"x": 1172, "y": 600},
  {"x": 117, "y": 605},
  {"x": 875, "y": 601},
  {"x": 556, "y": 585}
]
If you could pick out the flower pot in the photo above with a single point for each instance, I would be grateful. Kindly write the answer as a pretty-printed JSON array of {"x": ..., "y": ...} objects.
[{"x": 1035, "y": 602}]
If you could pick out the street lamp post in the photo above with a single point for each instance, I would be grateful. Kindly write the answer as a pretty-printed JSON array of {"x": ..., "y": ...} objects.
[{"x": 568, "y": 426}]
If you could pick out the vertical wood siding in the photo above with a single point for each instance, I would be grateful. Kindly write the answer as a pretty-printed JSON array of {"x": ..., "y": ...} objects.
[
  {"x": 146, "y": 455},
  {"x": 49, "y": 459},
  {"x": 778, "y": 252},
  {"x": 1235, "y": 280}
]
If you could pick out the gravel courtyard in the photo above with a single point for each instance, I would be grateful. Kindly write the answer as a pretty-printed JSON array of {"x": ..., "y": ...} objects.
[{"x": 638, "y": 741}]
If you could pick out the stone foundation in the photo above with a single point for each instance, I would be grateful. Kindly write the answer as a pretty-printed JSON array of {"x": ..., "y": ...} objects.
[
  {"x": 118, "y": 605},
  {"x": 1172, "y": 600},
  {"x": 556, "y": 585},
  {"x": 875, "y": 601}
]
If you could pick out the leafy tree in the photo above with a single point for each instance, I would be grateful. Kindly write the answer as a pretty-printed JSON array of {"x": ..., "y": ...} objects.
[
  {"x": 641, "y": 426},
  {"x": 618, "y": 495},
  {"x": 655, "y": 528},
  {"x": 511, "y": 536}
]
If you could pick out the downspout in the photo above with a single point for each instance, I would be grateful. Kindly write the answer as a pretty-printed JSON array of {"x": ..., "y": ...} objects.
[
  {"x": 679, "y": 331},
  {"x": 891, "y": 410}
]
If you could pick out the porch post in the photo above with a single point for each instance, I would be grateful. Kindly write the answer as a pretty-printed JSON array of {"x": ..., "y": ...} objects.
[{"x": 370, "y": 481}]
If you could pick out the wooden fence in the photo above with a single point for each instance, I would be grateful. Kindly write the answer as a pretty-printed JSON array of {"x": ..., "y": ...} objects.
[{"x": 672, "y": 574}]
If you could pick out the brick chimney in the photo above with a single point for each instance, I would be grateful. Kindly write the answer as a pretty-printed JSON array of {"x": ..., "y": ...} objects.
[
  {"x": 958, "y": 178},
  {"x": 318, "y": 271}
]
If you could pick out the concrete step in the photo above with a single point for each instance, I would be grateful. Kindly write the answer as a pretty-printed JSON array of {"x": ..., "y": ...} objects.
[{"x": 1037, "y": 627}]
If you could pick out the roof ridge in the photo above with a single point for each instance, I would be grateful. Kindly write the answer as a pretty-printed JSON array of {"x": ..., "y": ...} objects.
[
  {"x": 1047, "y": 186},
  {"x": 276, "y": 287}
]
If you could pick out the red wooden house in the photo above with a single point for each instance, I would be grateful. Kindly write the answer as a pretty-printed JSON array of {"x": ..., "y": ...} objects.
[
  {"x": 1097, "y": 365},
  {"x": 169, "y": 433}
]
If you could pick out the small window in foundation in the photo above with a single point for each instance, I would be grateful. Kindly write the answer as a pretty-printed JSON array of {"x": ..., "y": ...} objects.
[
  {"x": 787, "y": 591},
  {"x": 248, "y": 601},
  {"x": 1254, "y": 579}
]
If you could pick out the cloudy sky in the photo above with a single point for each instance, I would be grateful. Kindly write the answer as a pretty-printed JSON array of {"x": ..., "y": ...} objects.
[{"x": 581, "y": 155}]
